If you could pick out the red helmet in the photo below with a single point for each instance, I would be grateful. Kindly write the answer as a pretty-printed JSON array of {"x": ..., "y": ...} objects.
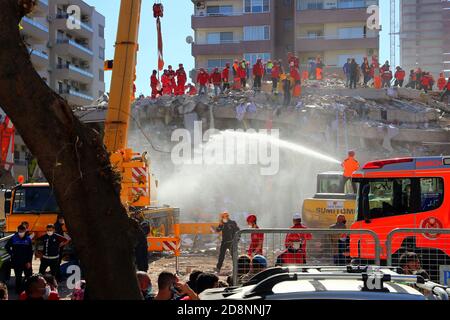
[{"x": 251, "y": 218}]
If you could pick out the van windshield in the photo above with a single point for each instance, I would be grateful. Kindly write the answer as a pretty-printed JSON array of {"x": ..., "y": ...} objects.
[
  {"x": 34, "y": 200},
  {"x": 391, "y": 197}
]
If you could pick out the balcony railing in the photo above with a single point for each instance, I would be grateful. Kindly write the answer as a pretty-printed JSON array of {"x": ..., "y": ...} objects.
[
  {"x": 72, "y": 18},
  {"x": 337, "y": 37},
  {"x": 77, "y": 45},
  {"x": 321, "y": 4},
  {"x": 35, "y": 24},
  {"x": 221, "y": 14},
  {"x": 75, "y": 93},
  {"x": 206, "y": 42},
  {"x": 44, "y": 2},
  {"x": 38, "y": 53},
  {"x": 76, "y": 69}
]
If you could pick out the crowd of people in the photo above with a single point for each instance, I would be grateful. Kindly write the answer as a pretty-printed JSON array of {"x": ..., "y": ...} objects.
[{"x": 287, "y": 79}]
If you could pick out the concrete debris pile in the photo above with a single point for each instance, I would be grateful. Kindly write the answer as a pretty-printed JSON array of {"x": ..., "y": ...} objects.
[{"x": 329, "y": 83}]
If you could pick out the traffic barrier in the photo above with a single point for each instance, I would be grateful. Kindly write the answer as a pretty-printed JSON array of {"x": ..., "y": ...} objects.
[
  {"x": 431, "y": 246},
  {"x": 313, "y": 247}
]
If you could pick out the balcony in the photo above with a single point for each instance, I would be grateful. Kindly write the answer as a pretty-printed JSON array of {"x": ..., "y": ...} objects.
[
  {"x": 68, "y": 46},
  {"x": 331, "y": 16},
  {"x": 76, "y": 97},
  {"x": 74, "y": 26},
  {"x": 326, "y": 43},
  {"x": 38, "y": 58},
  {"x": 235, "y": 19},
  {"x": 34, "y": 29},
  {"x": 232, "y": 47},
  {"x": 74, "y": 73}
]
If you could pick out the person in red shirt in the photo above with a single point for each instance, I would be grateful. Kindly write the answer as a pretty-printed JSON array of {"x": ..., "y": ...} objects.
[
  {"x": 154, "y": 84},
  {"x": 166, "y": 83},
  {"x": 425, "y": 82},
  {"x": 399, "y": 77},
  {"x": 275, "y": 77},
  {"x": 36, "y": 288},
  {"x": 257, "y": 239},
  {"x": 202, "y": 80},
  {"x": 297, "y": 241},
  {"x": 258, "y": 73},
  {"x": 446, "y": 91},
  {"x": 192, "y": 90},
  {"x": 181, "y": 80},
  {"x": 216, "y": 80},
  {"x": 226, "y": 77},
  {"x": 172, "y": 75},
  {"x": 242, "y": 73},
  {"x": 441, "y": 81}
]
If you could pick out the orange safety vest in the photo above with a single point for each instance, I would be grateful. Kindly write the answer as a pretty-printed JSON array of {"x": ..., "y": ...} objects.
[{"x": 350, "y": 165}]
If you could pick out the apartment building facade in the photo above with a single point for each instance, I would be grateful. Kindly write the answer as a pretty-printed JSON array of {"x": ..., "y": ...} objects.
[
  {"x": 69, "y": 60},
  {"x": 331, "y": 29},
  {"x": 424, "y": 36}
]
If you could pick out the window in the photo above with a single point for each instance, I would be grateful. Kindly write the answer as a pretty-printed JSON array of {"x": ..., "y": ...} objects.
[
  {"x": 257, "y": 6},
  {"x": 34, "y": 200},
  {"x": 254, "y": 33},
  {"x": 219, "y": 37},
  {"x": 219, "y": 10},
  {"x": 348, "y": 4},
  {"x": 330, "y": 184},
  {"x": 309, "y": 4},
  {"x": 252, "y": 57},
  {"x": 101, "y": 53},
  {"x": 101, "y": 75},
  {"x": 101, "y": 31},
  {"x": 218, "y": 63},
  {"x": 382, "y": 198},
  {"x": 351, "y": 33},
  {"x": 314, "y": 34}
]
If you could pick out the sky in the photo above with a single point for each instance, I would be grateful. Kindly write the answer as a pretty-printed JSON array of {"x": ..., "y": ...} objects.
[{"x": 176, "y": 26}]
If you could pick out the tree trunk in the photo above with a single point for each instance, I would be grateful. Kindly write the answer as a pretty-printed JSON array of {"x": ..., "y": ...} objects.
[{"x": 75, "y": 162}]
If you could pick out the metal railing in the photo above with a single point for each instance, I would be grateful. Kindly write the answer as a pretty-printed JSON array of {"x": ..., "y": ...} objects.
[
  {"x": 77, "y": 21},
  {"x": 432, "y": 247},
  {"x": 45, "y": 2},
  {"x": 75, "y": 44},
  {"x": 76, "y": 69},
  {"x": 38, "y": 53},
  {"x": 79, "y": 94},
  {"x": 337, "y": 37},
  {"x": 206, "y": 42},
  {"x": 35, "y": 24},
  {"x": 318, "y": 247},
  {"x": 219, "y": 14}
]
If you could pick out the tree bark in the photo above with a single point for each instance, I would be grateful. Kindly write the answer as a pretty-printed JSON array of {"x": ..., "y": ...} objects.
[{"x": 75, "y": 162}]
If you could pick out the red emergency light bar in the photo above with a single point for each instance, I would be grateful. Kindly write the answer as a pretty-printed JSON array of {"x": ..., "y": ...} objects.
[{"x": 381, "y": 163}]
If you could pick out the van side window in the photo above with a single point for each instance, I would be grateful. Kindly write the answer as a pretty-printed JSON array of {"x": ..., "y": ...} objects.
[{"x": 431, "y": 193}]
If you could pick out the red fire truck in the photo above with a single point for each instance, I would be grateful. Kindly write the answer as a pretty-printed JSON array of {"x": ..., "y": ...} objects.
[{"x": 404, "y": 193}]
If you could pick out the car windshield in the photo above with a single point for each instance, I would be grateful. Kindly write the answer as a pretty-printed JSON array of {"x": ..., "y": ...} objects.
[
  {"x": 330, "y": 184},
  {"x": 34, "y": 200}
]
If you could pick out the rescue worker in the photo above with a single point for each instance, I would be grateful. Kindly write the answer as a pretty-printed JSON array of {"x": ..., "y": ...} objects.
[
  {"x": 242, "y": 73},
  {"x": 312, "y": 69},
  {"x": 399, "y": 77},
  {"x": 346, "y": 69},
  {"x": 51, "y": 243},
  {"x": 258, "y": 73},
  {"x": 192, "y": 91},
  {"x": 353, "y": 73},
  {"x": 446, "y": 91},
  {"x": 269, "y": 67},
  {"x": 350, "y": 165},
  {"x": 216, "y": 80},
  {"x": 441, "y": 81},
  {"x": 275, "y": 75},
  {"x": 202, "y": 80},
  {"x": 286, "y": 81},
  {"x": 181, "y": 80},
  {"x": 228, "y": 228},
  {"x": 365, "y": 69},
  {"x": 425, "y": 82},
  {"x": 419, "y": 75},
  {"x": 297, "y": 82},
  {"x": 226, "y": 78},
  {"x": 154, "y": 83},
  {"x": 319, "y": 68},
  {"x": 20, "y": 249},
  {"x": 166, "y": 83},
  {"x": 340, "y": 243},
  {"x": 295, "y": 243},
  {"x": 257, "y": 239},
  {"x": 386, "y": 75},
  {"x": 172, "y": 75},
  {"x": 412, "y": 80}
]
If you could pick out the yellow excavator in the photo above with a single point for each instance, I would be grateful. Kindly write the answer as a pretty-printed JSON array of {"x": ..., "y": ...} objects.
[{"x": 35, "y": 203}]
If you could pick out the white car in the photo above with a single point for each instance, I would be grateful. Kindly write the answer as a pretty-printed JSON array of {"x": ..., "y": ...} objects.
[{"x": 337, "y": 283}]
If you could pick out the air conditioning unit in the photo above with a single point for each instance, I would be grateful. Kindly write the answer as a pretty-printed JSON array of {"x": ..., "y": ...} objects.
[
  {"x": 49, "y": 45},
  {"x": 49, "y": 18}
]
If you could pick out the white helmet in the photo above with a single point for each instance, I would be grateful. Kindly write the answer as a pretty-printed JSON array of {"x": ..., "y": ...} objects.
[{"x": 296, "y": 216}]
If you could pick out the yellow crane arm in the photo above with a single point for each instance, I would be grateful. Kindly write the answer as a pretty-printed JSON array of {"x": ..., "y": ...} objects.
[{"x": 118, "y": 115}]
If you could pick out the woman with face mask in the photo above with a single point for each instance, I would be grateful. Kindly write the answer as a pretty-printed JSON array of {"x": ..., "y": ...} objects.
[
  {"x": 257, "y": 239},
  {"x": 228, "y": 228}
]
